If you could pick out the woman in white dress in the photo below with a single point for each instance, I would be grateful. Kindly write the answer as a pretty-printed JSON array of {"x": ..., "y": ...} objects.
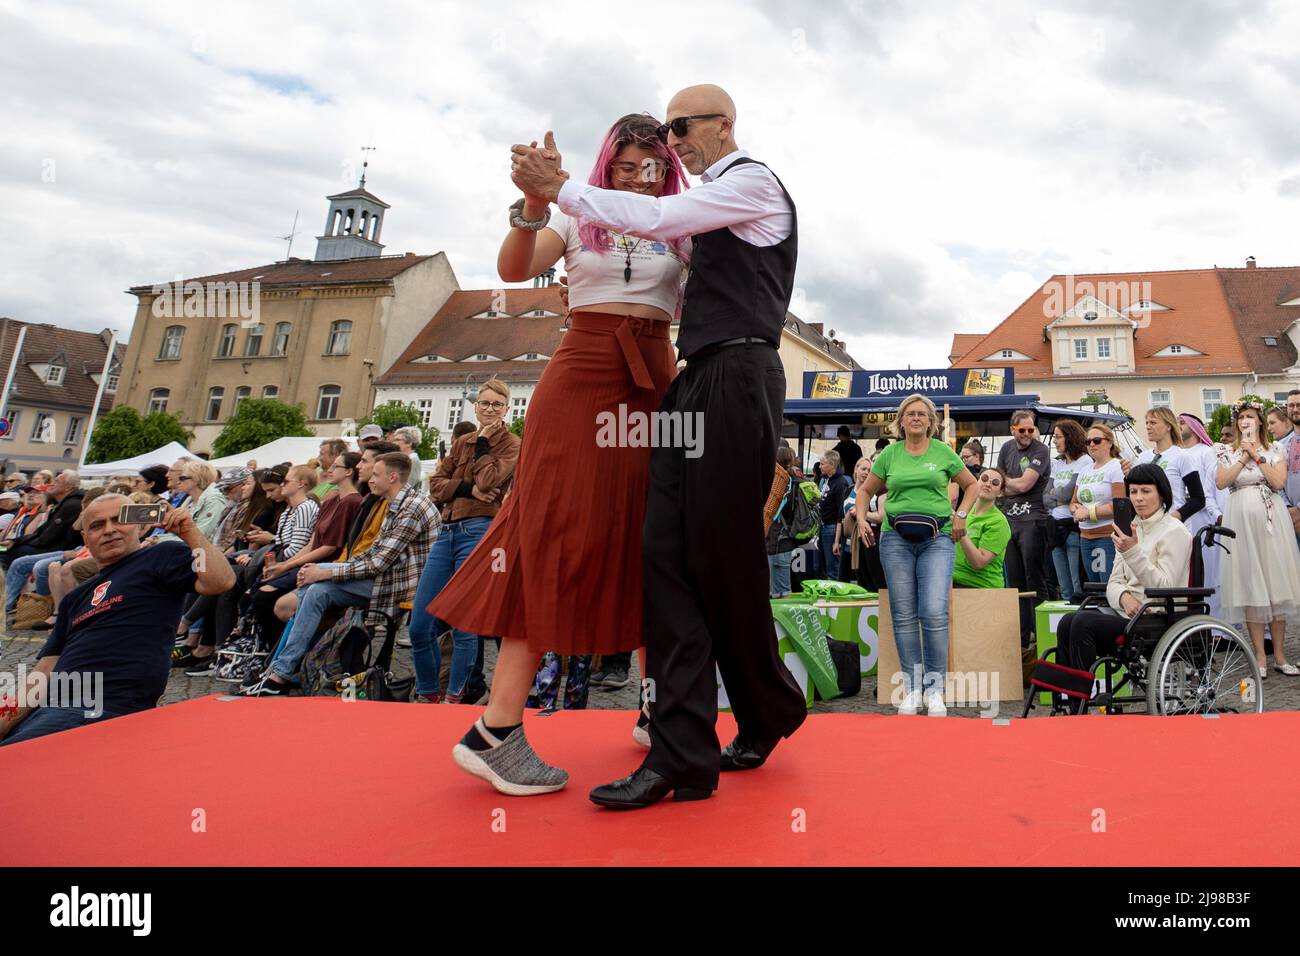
[{"x": 1261, "y": 575}]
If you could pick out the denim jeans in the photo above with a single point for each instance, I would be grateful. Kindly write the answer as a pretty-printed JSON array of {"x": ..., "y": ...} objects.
[
  {"x": 313, "y": 601},
  {"x": 778, "y": 567},
  {"x": 1065, "y": 559},
  {"x": 50, "y": 720},
  {"x": 830, "y": 570},
  {"x": 918, "y": 576},
  {"x": 1098, "y": 557},
  {"x": 454, "y": 543},
  {"x": 16, "y": 577}
]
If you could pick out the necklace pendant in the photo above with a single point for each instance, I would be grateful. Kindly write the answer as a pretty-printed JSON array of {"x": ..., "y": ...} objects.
[{"x": 627, "y": 273}]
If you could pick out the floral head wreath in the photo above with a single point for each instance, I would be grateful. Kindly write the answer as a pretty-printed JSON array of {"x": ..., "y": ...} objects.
[{"x": 1244, "y": 404}]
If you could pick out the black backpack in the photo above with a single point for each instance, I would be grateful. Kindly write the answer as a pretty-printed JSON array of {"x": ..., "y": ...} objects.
[{"x": 798, "y": 520}]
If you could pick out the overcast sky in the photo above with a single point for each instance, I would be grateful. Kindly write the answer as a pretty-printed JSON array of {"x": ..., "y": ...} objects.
[{"x": 945, "y": 159}]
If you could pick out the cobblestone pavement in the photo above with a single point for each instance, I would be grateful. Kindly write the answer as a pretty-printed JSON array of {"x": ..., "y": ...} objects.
[{"x": 1280, "y": 692}]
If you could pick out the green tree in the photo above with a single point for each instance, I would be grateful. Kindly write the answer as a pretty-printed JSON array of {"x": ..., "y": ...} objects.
[
  {"x": 395, "y": 414},
  {"x": 1223, "y": 414},
  {"x": 125, "y": 433},
  {"x": 258, "y": 421},
  {"x": 517, "y": 426}
]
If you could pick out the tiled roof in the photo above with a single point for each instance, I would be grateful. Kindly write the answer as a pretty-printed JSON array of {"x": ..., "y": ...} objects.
[
  {"x": 1255, "y": 296},
  {"x": 454, "y": 335},
  {"x": 811, "y": 332},
  {"x": 298, "y": 272},
  {"x": 963, "y": 342},
  {"x": 81, "y": 352},
  {"x": 1196, "y": 316}
]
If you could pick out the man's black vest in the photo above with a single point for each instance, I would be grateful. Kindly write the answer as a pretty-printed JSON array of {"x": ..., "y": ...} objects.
[{"x": 736, "y": 289}]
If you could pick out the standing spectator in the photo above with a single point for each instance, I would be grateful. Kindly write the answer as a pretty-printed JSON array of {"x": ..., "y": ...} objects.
[
  {"x": 369, "y": 434},
  {"x": 1095, "y": 489},
  {"x": 1201, "y": 455},
  {"x": 1164, "y": 433},
  {"x": 118, "y": 624},
  {"x": 381, "y": 577},
  {"x": 1071, "y": 444},
  {"x": 1261, "y": 574},
  {"x": 972, "y": 456},
  {"x": 1279, "y": 425},
  {"x": 408, "y": 440},
  {"x": 917, "y": 546},
  {"x": 1290, "y": 447},
  {"x": 834, "y": 486},
  {"x": 982, "y": 549},
  {"x": 848, "y": 450},
  {"x": 778, "y": 562},
  {"x": 1026, "y": 463},
  {"x": 851, "y": 543},
  {"x": 472, "y": 481}
]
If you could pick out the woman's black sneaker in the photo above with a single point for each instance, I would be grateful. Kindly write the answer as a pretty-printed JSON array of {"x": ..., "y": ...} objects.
[
  {"x": 206, "y": 667},
  {"x": 186, "y": 658},
  {"x": 612, "y": 679}
]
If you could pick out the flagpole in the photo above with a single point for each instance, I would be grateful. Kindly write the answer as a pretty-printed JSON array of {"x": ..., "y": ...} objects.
[
  {"x": 94, "y": 410},
  {"x": 13, "y": 367}
]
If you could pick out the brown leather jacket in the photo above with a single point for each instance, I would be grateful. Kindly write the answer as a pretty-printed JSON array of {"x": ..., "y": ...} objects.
[{"x": 487, "y": 466}]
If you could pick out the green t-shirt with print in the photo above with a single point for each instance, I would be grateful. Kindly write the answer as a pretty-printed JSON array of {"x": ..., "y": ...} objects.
[
  {"x": 991, "y": 531},
  {"x": 918, "y": 484}
]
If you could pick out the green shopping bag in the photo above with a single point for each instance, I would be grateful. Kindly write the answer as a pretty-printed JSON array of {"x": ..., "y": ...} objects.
[
  {"x": 836, "y": 589},
  {"x": 803, "y": 626}
]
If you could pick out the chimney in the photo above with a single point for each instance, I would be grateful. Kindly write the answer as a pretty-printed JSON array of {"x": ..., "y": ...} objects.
[
  {"x": 817, "y": 327},
  {"x": 1250, "y": 262}
]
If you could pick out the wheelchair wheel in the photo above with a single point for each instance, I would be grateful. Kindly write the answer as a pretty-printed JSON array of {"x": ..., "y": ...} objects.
[{"x": 1203, "y": 666}]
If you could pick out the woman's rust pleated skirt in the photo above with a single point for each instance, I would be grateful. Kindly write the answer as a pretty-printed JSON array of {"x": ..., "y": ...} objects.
[{"x": 560, "y": 566}]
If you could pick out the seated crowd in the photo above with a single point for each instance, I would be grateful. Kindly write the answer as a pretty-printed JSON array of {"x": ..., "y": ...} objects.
[{"x": 268, "y": 552}]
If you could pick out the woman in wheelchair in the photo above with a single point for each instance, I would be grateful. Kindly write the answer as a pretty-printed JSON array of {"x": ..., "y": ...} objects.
[{"x": 1156, "y": 555}]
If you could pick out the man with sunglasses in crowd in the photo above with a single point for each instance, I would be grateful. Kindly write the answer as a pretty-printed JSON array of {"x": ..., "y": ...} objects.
[
  {"x": 696, "y": 540},
  {"x": 1027, "y": 463}
]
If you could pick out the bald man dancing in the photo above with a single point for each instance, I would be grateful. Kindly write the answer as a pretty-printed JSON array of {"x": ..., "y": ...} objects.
[{"x": 705, "y": 564}]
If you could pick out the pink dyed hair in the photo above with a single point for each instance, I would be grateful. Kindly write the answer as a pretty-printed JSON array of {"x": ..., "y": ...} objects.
[{"x": 635, "y": 129}]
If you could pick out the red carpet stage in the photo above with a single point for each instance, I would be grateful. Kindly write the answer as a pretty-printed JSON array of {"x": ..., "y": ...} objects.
[{"x": 316, "y": 781}]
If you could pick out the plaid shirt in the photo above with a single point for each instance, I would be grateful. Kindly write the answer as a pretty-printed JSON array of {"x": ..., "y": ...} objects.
[{"x": 398, "y": 555}]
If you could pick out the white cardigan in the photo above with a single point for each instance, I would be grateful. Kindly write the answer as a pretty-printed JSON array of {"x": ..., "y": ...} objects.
[{"x": 1161, "y": 558}]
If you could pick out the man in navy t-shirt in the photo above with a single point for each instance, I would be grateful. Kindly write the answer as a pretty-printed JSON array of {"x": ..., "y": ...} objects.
[{"x": 109, "y": 653}]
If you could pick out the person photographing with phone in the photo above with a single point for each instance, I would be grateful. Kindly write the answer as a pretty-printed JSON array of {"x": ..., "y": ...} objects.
[
  {"x": 113, "y": 636},
  {"x": 1261, "y": 574},
  {"x": 1152, "y": 550}
]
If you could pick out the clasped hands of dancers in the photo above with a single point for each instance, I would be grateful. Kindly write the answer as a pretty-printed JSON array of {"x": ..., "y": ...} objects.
[{"x": 608, "y": 549}]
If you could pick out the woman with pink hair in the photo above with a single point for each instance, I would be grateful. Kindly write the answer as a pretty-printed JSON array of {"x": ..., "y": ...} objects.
[
  {"x": 560, "y": 568},
  {"x": 1200, "y": 451}
]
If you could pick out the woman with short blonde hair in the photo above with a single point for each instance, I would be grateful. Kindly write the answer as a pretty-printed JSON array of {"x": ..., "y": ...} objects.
[{"x": 205, "y": 501}]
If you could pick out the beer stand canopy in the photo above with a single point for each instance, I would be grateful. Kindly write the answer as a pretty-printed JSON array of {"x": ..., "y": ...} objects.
[{"x": 977, "y": 402}]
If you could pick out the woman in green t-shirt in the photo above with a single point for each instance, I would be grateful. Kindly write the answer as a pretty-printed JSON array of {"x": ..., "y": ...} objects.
[
  {"x": 916, "y": 546},
  {"x": 979, "y": 553}
]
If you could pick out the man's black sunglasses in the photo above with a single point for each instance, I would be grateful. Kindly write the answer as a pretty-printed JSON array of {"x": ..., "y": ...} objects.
[{"x": 682, "y": 123}]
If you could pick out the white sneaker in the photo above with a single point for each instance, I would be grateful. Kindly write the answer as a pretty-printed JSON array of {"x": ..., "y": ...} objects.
[
  {"x": 911, "y": 703},
  {"x": 934, "y": 706}
]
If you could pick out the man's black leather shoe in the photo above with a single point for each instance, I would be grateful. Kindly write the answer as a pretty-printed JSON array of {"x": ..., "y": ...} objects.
[
  {"x": 642, "y": 788},
  {"x": 739, "y": 755}
]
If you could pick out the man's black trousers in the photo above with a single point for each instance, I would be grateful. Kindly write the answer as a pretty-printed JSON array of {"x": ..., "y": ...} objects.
[{"x": 705, "y": 566}]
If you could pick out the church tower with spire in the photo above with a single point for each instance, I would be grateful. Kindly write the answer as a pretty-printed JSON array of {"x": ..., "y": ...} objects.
[{"x": 353, "y": 224}]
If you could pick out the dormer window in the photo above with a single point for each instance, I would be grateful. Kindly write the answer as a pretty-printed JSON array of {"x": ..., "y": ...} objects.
[
  {"x": 481, "y": 357},
  {"x": 112, "y": 382},
  {"x": 531, "y": 357},
  {"x": 1270, "y": 340},
  {"x": 1090, "y": 316},
  {"x": 1176, "y": 349},
  {"x": 54, "y": 375}
]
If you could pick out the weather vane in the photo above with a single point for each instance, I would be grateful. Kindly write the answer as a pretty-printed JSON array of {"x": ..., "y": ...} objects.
[{"x": 365, "y": 162}]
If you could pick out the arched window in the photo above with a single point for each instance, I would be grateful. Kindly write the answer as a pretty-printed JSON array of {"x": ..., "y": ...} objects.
[
  {"x": 340, "y": 338},
  {"x": 253, "y": 344},
  {"x": 334, "y": 223},
  {"x": 280, "y": 343},
  {"x": 327, "y": 402},
  {"x": 215, "y": 395},
  {"x": 241, "y": 393},
  {"x": 227, "y": 346},
  {"x": 171, "y": 344},
  {"x": 158, "y": 400},
  {"x": 270, "y": 391}
]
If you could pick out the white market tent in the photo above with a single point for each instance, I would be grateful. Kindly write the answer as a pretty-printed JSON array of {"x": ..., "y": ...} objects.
[
  {"x": 165, "y": 455},
  {"x": 296, "y": 450}
]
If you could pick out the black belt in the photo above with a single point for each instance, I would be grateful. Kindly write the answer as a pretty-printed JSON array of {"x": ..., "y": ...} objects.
[{"x": 726, "y": 344}]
